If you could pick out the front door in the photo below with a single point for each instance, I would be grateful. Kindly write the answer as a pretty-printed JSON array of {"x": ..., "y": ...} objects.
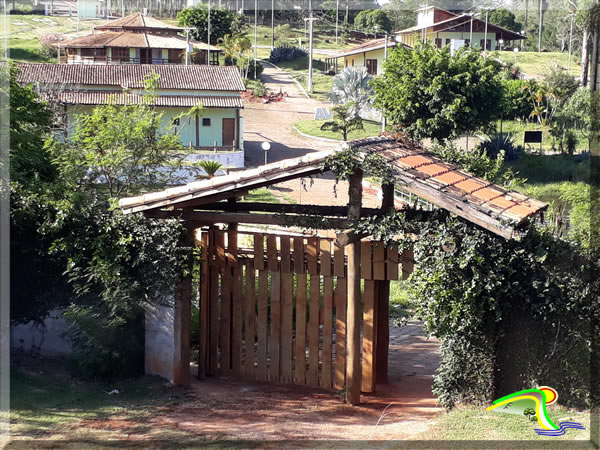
[
  {"x": 228, "y": 132},
  {"x": 145, "y": 56}
]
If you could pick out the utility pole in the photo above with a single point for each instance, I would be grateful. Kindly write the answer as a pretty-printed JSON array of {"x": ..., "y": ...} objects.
[
  {"x": 122, "y": 8},
  {"x": 310, "y": 19},
  {"x": 385, "y": 57},
  {"x": 272, "y": 24},
  {"x": 541, "y": 24},
  {"x": 337, "y": 18},
  {"x": 255, "y": 35},
  {"x": 208, "y": 38},
  {"x": 187, "y": 46},
  {"x": 485, "y": 49}
]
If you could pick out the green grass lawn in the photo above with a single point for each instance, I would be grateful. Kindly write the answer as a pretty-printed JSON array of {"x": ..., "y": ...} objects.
[
  {"x": 298, "y": 68},
  {"x": 26, "y": 30},
  {"x": 475, "y": 423},
  {"x": 48, "y": 403},
  {"x": 538, "y": 64},
  {"x": 313, "y": 128},
  {"x": 518, "y": 128}
]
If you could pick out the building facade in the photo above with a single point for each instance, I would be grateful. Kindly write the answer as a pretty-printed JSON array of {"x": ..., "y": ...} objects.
[
  {"x": 215, "y": 130},
  {"x": 135, "y": 39}
]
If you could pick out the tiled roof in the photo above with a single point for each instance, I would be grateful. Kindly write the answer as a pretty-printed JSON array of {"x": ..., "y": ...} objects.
[
  {"x": 374, "y": 44},
  {"x": 76, "y": 97},
  {"x": 137, "y": 21},
  {"x": 416, "y": 171},
  {"x": 192, "y": 77},
  {"x": 132, "y": 40}
]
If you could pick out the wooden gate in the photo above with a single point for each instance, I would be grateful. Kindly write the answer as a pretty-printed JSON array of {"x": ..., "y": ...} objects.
[{"x": 275, "y": 309}]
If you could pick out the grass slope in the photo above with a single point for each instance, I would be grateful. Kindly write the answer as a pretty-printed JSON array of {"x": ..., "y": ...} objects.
[
  {"x": 313, "y": 128},
  {"x": 539, "y": 64}
]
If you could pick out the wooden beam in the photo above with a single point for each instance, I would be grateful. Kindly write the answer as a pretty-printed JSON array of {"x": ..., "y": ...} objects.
[
  {"x": 383, "y": 305},
  {"x": 321, "y": 210},
  {"x": 353, "y": 364},
  {"x": 209, "y": 218}
]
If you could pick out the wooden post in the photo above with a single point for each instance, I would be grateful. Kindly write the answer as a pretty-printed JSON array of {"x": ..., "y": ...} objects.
[
  {"x": 383, "y": 303},
  {"x": 203, "y": 317},
  {"x": 182, "y": 318},
  {"x": 353, "y": 365}
]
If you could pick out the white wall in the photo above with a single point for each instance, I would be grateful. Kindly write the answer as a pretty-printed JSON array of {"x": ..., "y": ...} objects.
[
  {"x": 159, "y": 348},
  {"x": 48, "y": 339}
]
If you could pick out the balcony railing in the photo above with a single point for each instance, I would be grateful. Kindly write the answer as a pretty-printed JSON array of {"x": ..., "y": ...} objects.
[{"x": 109, "y": 60}]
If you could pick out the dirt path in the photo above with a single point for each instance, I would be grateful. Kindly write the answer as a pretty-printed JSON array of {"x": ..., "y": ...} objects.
[{"x": 403, "y": 409}]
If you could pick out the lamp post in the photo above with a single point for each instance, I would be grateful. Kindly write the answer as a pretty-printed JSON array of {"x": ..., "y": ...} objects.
[
  {"x": 473, "y": 15},
  {"x": 311, "y": 19},
  {"x": 208, "y": 39},
  {"x": 272, "y": 24},
  {"x": 522, "y": 40},
  {"x": 516, "y": 51},
  {"x": 266, "y": 146},
  {"x": 485, "y": 46},
  {"x": 337, "y": 14}
]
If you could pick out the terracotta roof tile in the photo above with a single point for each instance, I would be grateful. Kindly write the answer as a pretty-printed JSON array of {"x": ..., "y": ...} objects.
[
  {"x": 433, "y": 169},
  {"x": 470, "y": 185},
  {"x": 180, "y": 77},
  {"x": 450, "y": 177},
  {"x": 137, "y": 21},
  {"x": 413, "y": 161}
]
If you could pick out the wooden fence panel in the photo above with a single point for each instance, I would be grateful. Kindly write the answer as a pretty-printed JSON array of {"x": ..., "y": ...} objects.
[
  {"x": 237, "y": 324},
  {"x": 313, "y": 331},
  {"x": 225, "y": 331},
  {"x": 300, "y": 343},
  {"x": 287, "y": 312},
  {"x": 203, "y": 317},
  {"x": 250, "y": 325},
  {"x": 369, "y": 336},
  {"x": 262, "y": 322},
  {"x": 341, "y": 295},
  {"x": 327, "y": 332}
]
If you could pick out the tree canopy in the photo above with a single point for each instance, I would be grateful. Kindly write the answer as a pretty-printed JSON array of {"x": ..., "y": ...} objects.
[
  {"x": 432, "y": 94},
  {"x": 222, "y": 22},
  {"x": 505, "y": 19}
]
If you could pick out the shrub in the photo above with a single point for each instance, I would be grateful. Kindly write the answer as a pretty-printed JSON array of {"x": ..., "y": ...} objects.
[
  {"x": 516, "y": 99},
  {"x": 260, "y": 90},
  {"x": 501, "y": 142},
  {"x": 259, "y": 69},
  {"x": 287, "y": 53},
  {"x": 47, "y": 41},
  {"x": 563, "y": 84}
]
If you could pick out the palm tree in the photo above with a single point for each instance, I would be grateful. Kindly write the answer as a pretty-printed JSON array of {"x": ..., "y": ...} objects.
[
  {"x": 351, "y": 85},
  {"x": 234, "y": 48},
  {"x": 345, "y": 119},
  {"x": 210, "y": 167}
]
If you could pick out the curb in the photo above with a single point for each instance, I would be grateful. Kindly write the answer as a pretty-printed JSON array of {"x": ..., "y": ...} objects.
[
  {"x": 290, "y": 75},
  {"x": 316, "y": 138}
]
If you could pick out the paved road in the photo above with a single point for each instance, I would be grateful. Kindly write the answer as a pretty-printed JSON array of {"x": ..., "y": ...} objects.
[{"x": 274, "y": 122}]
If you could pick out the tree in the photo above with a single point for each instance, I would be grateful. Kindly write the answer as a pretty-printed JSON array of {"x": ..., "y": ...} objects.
[
  {"x": 505, "y": 19},
  {"x": 235, "y": 47},
  {"x": 345, "y": 120},
  {"x": 351, "y": 85},
  {"x": 432, "y": 94},
  {"x": 221, "y": 22},
  {"x": 121, "y": 148},
  {"x": 373, "y": 21}
]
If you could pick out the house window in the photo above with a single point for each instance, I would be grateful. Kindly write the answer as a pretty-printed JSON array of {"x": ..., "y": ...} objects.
[
  {"x": 72, "y": 51},
  {"x": 352, "y": 62},
  {"x": 206, "y": 122},
  {"x": 488, "y": 46},
  {"x": 93, "y": 52},
  {"x": 372, "y": 66},
  {"x": 120, "y": 53},
  {"x": 438, "y": 43},
  {"x": 174, "y": 56}
]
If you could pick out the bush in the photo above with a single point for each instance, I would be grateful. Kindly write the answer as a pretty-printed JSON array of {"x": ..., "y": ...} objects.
[
  {"x": 47, "y": 41},
  {"x": 516, "y": 99},
  {"x": 501, "y": 142},
  {"x": 287, "y": 53},
  {"x": 563, "y": 84},
  {"x": 260, "y": 90},
  {"x": 259, "y": 69}
]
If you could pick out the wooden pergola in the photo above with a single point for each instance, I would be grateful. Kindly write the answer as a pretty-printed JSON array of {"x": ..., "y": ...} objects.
[{"x": 251, "y": 299}]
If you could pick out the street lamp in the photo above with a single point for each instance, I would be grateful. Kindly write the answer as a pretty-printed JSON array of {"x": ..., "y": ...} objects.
[
  {"x": 266, "y": 146},
  {"x": 255, "y": 35}
]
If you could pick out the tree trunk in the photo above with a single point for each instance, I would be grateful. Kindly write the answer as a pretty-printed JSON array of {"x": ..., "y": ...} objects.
[
  {"x": 594, "y": 60},
  {"x": 585, "y": 57}
]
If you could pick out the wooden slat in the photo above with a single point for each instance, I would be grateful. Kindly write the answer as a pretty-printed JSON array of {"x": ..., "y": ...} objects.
[
  {"x": 259, "y": 251},
  {"x": 299, "y": 254},
  {"x": 300, "y": 347},
  {"x": 225, "y": 330},
  {"x": 327, "y": 332},
  {"x": 378, "y": 261},
  {"x": 203, "y": 303},
  {"x": 311, "y": 255},
  {"x": 287, "y": 311},
  {"x": 366, "y": 260},
  {"x": 408, "y": 264},
  {"x": 341, "y": 291},
  {"x": 313, "y": 331},
  {"x": 286, "y": 260},
  {"x": 237, "y": 325},
  {"x": 272, "y": 252},
  {"x": 263, "y": 296},
  {"x": 214, "y": 320},
  {"x": 220, "y": 248},
  {"x": 325, "y": 257},
  {"x": 232, "y": 245},
  {"x": 287, "y": 318},
  {"x": 392, "y": 262},
  {"x": 338, "y": 261},
  {"x": 250, "y": 326},
  {"x": 275, "y": 335},
  {"x": 382, "y": 310},
  {"x": 368, "y": 347}
]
